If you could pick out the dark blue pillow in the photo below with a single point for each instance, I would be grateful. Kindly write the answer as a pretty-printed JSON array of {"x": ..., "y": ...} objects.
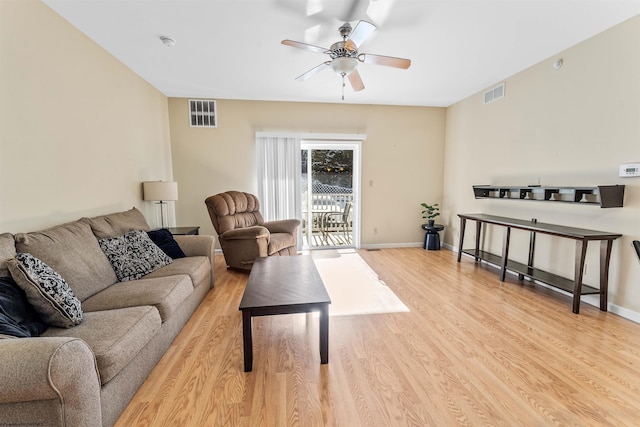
[
  {"x": 165, "y": 241},
  {"x": 17, "y": 316}
]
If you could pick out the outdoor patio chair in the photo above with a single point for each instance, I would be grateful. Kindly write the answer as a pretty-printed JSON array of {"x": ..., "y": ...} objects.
[
  {"x": 242, "y": 232},
  {"x": 336, "y": 221}
]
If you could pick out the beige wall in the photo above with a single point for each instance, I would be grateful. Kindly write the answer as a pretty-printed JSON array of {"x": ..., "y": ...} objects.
[
  {"x": 402, "y": 158},
  {"x": 79, "y": 131},
  {"x": 572, "y": 126}
]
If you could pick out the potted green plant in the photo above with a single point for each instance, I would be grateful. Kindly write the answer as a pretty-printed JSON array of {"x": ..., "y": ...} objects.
[{"x": 430, "y": 212}]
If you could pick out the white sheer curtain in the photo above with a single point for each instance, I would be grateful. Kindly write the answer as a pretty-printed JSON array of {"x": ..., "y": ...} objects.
[{"x": 278, "y": 159}]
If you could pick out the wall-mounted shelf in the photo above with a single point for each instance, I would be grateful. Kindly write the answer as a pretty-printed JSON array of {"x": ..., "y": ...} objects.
[{"x": 605, "y": 196}]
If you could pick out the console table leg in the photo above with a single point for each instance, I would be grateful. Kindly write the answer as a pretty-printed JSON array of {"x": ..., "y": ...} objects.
[
  {"x": 581, "y": 253},
  {"x": 247, "y": 340},
  {"x": 478, "y": 230},
  {"x": 324, "y": 334},
  {"x": 605, "y": 257},
  {"x": 505, "y": 253},
  {"x": 463, "y": 223},
  {"x": 532, "y": 251}
]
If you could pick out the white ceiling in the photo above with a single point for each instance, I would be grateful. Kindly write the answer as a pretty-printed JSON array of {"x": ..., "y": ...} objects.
[{"x": 230, "y": 49}]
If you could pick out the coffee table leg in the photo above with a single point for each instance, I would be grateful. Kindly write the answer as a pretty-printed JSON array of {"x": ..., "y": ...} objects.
[
  {"x": 324, "y": 333},
  {"x": 247, "y": 340}
]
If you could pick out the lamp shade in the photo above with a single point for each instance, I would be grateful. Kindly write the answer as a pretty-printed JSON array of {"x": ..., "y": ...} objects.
[{"x": 159, "y": 191}]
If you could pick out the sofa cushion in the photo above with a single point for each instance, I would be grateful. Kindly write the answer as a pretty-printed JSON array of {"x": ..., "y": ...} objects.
[
  {"x": 165, "y": 241},
  {"x": 72, "y": 250},
  {"x": 165, "y": 293},
  {"x": 117, "y": 224},
  {"x": 114, "y": 336},
  {"x": 197, "y": 267},
  {"x": 7, "y": 250},
  {"x": 17, "y": 317},
  {"x": 133, "y": 255},
  {"x": 46, "y": 291}
]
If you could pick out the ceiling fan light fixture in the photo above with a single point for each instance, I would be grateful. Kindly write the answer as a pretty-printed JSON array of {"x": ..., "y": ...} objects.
[
  {"x": 344, "y": 54},
  {"x": 344, "y": 65}
]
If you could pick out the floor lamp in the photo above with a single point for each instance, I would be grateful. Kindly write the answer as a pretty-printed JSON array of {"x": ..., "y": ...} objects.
[{"x": 161, "y": 192}]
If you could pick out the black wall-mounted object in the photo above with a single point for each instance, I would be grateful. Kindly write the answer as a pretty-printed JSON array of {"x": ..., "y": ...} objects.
[
  {"x": 605, "y": 196},
  {"x": 636, "y": 245}
]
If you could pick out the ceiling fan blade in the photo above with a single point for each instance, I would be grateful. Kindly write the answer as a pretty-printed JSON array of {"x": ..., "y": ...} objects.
[
  {"x": 312, "y": 72},
  {"x": 305, "y": 46},
  {"x": 356, "y": 81},
  {"x": 359, "y": 34},
  {"x": 389, "y": 61}
]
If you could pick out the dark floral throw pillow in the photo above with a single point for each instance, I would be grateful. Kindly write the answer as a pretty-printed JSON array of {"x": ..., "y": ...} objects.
[
  {"x": 46, "y": 291},
  {"x": 133, "y": 255}
]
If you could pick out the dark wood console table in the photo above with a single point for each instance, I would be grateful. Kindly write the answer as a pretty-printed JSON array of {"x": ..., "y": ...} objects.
[{"x": 581, "y": 236}]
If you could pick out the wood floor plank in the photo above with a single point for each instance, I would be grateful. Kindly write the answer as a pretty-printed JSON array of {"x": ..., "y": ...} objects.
[{"x": 471, "y": 351}]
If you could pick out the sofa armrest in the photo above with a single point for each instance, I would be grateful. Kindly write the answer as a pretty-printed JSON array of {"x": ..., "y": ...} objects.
[
  {"x": 197, "y": 245},
  {"x": 283, "y": 226},
  {"x": 60, "y": 370},
  {"x": 247, "y": 233}
]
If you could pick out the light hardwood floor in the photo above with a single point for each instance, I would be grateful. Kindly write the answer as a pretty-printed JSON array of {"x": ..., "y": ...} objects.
[{"x": 472, "y": 351}]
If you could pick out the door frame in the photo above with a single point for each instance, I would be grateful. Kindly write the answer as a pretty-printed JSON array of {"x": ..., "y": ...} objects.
[{"x": 344, "y": 144}]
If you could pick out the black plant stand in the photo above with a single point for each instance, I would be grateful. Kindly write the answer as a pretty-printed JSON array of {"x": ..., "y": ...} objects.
[{"x": 432, "y": 238}]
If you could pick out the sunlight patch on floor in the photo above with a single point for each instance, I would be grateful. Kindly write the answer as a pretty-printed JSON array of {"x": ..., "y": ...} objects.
[{"x": 353, "y": 286}]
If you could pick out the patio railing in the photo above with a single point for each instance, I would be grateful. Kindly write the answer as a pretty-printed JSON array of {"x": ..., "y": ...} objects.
[{"x": 323, "y": 204}]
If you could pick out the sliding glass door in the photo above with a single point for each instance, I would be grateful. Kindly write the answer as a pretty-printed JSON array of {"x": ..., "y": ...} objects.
[{"x": 330, "y": 183}]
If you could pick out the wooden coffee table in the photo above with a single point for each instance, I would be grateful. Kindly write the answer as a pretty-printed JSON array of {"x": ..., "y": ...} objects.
[{"x": 284, "y": 285}]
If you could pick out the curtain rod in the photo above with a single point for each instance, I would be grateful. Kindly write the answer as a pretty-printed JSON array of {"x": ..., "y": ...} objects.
[{"x": 314, "y": 136}]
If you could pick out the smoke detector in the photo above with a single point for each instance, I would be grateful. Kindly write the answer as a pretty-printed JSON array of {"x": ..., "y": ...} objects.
[{"x": 168, "y": 41}]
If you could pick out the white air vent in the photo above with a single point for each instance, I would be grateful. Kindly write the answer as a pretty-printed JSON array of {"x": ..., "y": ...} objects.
[
  {"x": 202, "y": 113},
  {"x": 494, "y": 94}
]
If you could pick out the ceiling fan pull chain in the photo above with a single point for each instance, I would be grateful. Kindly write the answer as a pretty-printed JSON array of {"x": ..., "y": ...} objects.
[{"x": 343, "y": 74}]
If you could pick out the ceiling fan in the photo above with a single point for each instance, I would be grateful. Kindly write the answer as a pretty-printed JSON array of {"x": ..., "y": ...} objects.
[{"x": 345, "y": 56}]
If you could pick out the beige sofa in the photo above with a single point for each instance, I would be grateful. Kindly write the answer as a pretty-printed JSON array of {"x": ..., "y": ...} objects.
[{"x": 87, "y": 374}]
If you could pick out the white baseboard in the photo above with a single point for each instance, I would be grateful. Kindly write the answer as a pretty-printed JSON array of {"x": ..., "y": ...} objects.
[
  {"x": 449, "y": 247},
  {"x": 391, "y": 245},
  {"x": 634, "y": 316},
  {"x": 405, "y": 245}
]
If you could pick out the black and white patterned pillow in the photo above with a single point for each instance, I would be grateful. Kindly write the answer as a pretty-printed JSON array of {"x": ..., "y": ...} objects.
[
  {"x": 133, "y": 255},
  {"x": 46, "y": 291}
]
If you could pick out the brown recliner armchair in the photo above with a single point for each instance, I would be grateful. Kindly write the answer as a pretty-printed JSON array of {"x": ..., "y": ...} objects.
[{"x": 243, "y": 233}]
